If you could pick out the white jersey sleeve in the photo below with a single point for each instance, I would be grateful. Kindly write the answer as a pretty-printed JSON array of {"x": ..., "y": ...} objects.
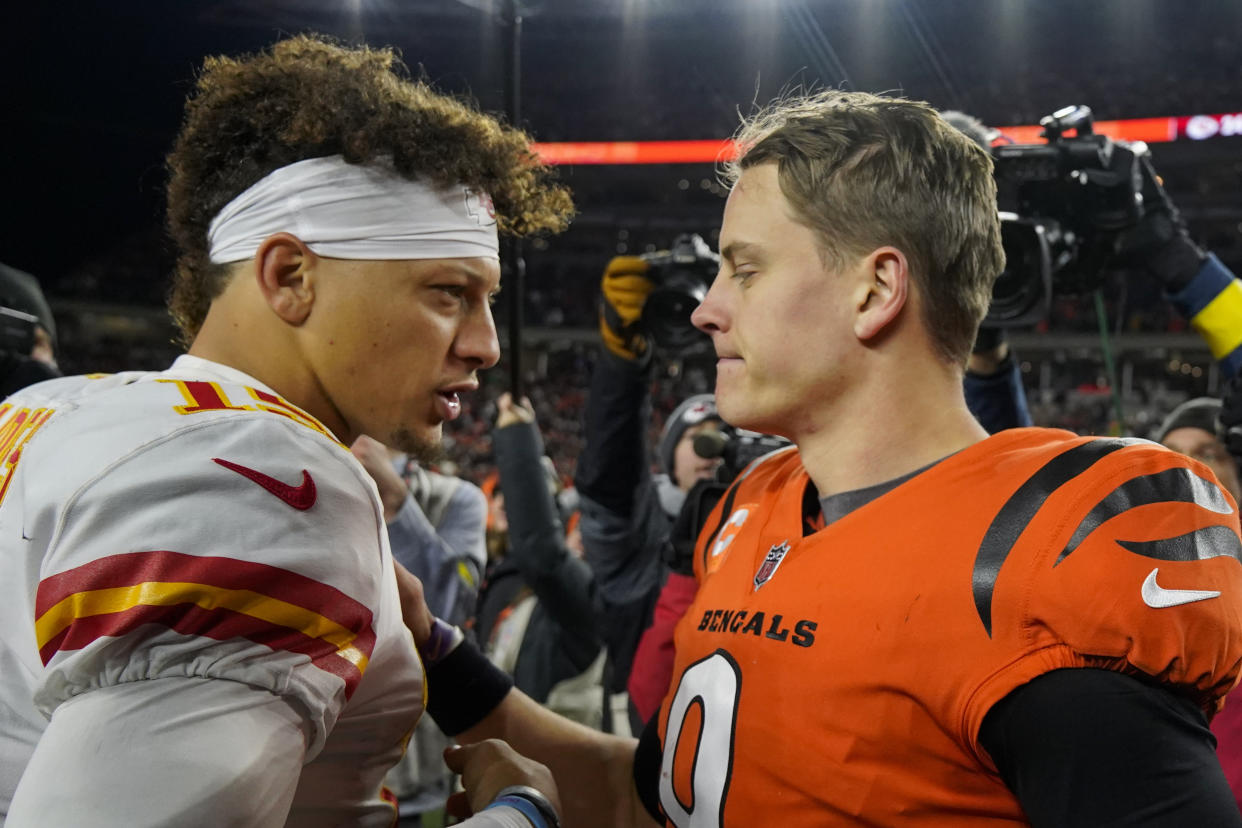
[
  {"x": 240, "y": 548},
  {"x": 229, "y": 738},
  {"x": 161, "y": 533}
]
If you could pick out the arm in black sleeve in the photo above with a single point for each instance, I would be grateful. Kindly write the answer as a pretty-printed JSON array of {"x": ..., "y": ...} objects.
[
  {"x": 563, "y": 583},
  {"x": 1095, "y": 748},
  {"x": 613, "y": 462},
  {"x": 998, "y": 399}
]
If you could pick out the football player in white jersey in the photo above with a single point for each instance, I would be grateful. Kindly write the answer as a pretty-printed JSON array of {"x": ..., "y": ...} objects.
[{"x": 199, "y": 621}]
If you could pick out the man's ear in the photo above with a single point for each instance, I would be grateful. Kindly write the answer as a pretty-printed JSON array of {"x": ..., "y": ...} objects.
[
  {"x": 883, "y": 291},
  {"x": 284, "y": 270}
]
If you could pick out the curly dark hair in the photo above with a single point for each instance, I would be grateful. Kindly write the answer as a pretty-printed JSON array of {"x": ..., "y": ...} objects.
[{"x": 309, "y": 97}]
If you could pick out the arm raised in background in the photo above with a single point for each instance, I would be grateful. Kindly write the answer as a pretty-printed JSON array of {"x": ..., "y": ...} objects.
[
  {"x": 448, "y": 556},
  {"x": 563, "y": 583}
]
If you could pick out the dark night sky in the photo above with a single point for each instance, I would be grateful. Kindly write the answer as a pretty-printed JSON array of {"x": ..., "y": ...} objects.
[{"x": 92, "y": 91}]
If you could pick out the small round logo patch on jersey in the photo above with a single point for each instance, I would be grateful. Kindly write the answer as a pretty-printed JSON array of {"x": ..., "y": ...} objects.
[
  {"x": 771, "y": 561},
  {"x": 720, "y": 547}
]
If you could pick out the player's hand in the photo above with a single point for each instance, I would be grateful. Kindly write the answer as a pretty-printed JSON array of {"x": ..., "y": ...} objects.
[
  {"x": 1229, "y": 425},
  {"x": 414, "y": 610},
  {"x": 488, "y": 766},
  {"x": 373, "y": 455},
  {"x": 624, "y": 290},
  {"x": 1160, "y": 243},
  {"x": 508, "y": 412}
]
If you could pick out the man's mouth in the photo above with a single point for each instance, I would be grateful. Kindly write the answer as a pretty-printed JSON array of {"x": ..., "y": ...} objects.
[{"x": 448, "y": 405}]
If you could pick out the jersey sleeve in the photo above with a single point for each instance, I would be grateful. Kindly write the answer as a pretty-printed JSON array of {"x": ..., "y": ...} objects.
[
  {"x": 246, "y": 549},
  {"x": 242, "y": 748},
  {"x": 1131, "y": 564}
]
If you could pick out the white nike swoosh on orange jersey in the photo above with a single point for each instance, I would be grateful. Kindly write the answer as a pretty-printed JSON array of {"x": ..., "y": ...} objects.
[{"x": 1157, "y": 597}]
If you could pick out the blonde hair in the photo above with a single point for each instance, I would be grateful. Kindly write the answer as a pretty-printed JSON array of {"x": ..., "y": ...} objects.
[{"x": 864, "y": 171}]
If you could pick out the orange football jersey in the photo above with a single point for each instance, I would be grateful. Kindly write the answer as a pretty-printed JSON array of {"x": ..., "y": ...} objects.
[{"x": 841, "y": 678}]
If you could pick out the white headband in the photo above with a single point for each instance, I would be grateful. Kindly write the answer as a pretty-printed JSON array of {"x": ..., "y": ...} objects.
[{"x": 352, "y": 211}]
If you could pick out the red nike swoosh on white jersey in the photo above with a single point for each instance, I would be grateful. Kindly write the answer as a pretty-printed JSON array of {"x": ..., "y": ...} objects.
[{"x": 299, "y": 497}]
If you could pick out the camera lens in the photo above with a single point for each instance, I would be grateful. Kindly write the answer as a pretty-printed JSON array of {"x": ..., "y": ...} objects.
[{"x": 667, "y": 312}]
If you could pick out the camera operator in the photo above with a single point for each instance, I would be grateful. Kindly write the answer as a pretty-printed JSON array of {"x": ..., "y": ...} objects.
[
  {"x": 627, "y": 511},
  {"x": 1196, "y": 282},
  {"x": 1087, "y": 204},
  {"x": 27, "y": 332}
]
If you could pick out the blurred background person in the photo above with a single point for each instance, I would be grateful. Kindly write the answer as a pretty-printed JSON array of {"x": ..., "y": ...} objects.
[
  {"x": 27, "y": 332},
  {"x": 537, "y": 617},
  {"x": 436, "y": 526},
  {"x": 1191, "y": 429},
  {"x": 627, "y": 511}
]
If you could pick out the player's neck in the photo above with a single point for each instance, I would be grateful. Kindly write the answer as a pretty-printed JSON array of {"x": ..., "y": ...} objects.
[
  {"x": 888, "y": 428},
  {"x": 243, "y": 337}
]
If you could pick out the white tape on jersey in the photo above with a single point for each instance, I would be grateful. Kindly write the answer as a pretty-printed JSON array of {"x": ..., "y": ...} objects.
[{"x": 355, "y": 211}]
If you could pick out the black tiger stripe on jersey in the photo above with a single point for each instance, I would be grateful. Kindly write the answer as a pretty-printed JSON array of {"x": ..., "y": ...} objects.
[
  {"x": 1178, "y": 485},
  {"x": 1203, "y": 543},
  {"x": 1013, "y": 517}
]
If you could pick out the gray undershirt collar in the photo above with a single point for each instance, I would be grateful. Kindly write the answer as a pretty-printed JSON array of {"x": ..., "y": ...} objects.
[{"x": 841, "y": 504}]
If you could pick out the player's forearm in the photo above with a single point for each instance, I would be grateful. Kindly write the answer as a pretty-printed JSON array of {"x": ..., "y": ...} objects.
[{"x": 593, "y": 770}]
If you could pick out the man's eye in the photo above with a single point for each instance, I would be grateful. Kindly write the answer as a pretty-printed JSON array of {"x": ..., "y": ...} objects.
[{"x": 456, "y": 291}]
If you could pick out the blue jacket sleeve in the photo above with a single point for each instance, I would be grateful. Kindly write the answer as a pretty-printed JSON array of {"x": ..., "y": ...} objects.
[
  {"x": 448, "y": 561},
  {"x": 998, "y": 400}
]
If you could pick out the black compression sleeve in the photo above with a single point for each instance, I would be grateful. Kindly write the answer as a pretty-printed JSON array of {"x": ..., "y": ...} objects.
[
  {"x": 463, "y": 688},
  {"x": 1087, "y": 747},
  {"x": 647, "y": 759}
]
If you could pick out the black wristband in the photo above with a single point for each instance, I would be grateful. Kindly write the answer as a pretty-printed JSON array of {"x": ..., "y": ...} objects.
[{"x": 463, "y": 688}]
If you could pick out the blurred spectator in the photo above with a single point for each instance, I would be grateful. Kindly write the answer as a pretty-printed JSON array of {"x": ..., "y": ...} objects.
[
  {"x": 27, "y": 332},
  {"x": 536, "y": 617},
  {"x": 1191, "y": 430},
  {"x": 627, "y": 512},
  {"x": 435, "y": 528}
]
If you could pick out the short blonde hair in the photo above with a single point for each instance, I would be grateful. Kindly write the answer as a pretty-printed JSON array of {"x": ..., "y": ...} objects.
[{"x": 864, "y": 171}]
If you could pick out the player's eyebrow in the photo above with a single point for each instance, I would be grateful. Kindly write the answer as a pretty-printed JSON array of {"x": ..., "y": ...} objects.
[{"x": 735, "y": 250}]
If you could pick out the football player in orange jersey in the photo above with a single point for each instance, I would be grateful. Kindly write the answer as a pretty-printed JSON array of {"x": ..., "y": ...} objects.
[{"x": 901, "y": 621}]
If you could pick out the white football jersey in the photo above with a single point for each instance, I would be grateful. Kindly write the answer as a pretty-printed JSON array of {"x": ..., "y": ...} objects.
[{"x": 191, "y": 523}]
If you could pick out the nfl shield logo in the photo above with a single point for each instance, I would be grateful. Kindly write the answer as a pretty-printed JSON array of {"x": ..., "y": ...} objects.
[{"x": 770, "y": 562}]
